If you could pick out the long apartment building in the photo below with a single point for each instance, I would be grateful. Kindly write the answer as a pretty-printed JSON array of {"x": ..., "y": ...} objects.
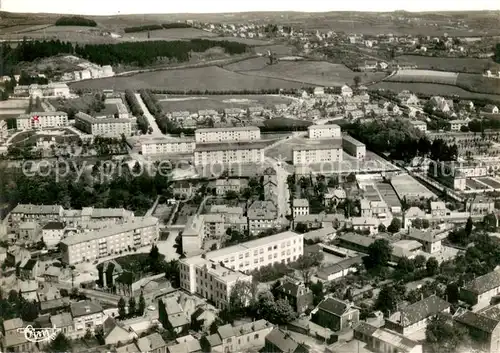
[
  {"x": 109, "y": 127},
  {"x": 329, "y": 150},
  {"x": 50, "y": 90},
  {"x": 40, "y": 120},
  {"x": 213, "y": 274},
  {"x": 229, "y": 152},
  {"x": 240, "y": 133},
  {"x": 167, "y": 145},
  {"x": 353, "y": 147},
  {"x": 324, "y": 131},
  {"x": 110, "y": 241}
]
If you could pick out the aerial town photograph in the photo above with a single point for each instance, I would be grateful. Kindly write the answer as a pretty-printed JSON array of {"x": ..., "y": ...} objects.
[{"x": 231, "y": 177}]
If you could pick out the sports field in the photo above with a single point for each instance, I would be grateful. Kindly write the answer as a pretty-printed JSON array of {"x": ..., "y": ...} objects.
[
  {"x": 208, "y": 78},
  {"x": 195, "y": 103}
]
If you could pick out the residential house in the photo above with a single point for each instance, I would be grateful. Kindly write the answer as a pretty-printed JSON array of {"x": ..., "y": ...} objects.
[
  {"x": 480, "y": 205},
  {"x": 152, "y": 343},
  {"x": 28, "y": 269},
  {"x": 114, "y": 333},
  {"x": 297, "y": 294},
  {"x": 355, "y": 242},
  {"x": 204, "y": 317},
  {"x": 278, "y": 341},
  {"x": 185, "y": 344},
  {"x": 365, "y": 224},
  {"x": 430, "y": 239},
  {"x": 481, "y": 289},
  {"x": 466, "y": 105},
  {"x": 408, "y": 98},
  {"x": 300, "y": 207},
  {"x": 55, "y": 305},
  {"x": 438, "y": 209},
  {"x": 440, "y": 104},
  {"x": 178, "y": 321},
  {"x": 222, "y": 186},
  {"x": 483, "y": 327},
  {"x": 28, "y": 232},
  {"x": 385, "y": 341},
  {"x": 321, "y": 220},
  {"x": 13, "y": 340},
  {"x": 335, "y": 314},
  {"x": 52, "y": 233},
  {"x": 334, "y": 195},
  {"x": 490, "y": 108},
  {"x": 270, "y": 184},
  {"x": 183, "y": 189},
  {"x": 346, "y": 91},
  {"x": 28, "y": 289},
  {"x": 86, "y": 315},
  {"x": 262, "y": 215},
  {"x": 52, "y": 274},
  {"x": 415, "y": 317},
  {"x": 246, "y": 337},
  {"x": 64, "y": 322}
]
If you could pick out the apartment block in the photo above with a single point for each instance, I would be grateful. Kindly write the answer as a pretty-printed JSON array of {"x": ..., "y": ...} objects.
[
  {"x": 108, "y": 127},
  {"x": 41, "y": 120},
  {"x": 481, "y": 289},
  {"x": 353, "y": 147},
  {"x": 222, "y": 186},
  {"x": 93, "y": 245},
  {"x": 35, "y": 213},
  {"x": 213, "y": 274},
  {"x": 300, "y": 207},
  {"x": 213, "y": 135},
  {"x": 50, "y": 90},
  {"x": 329, "y": 150},
  {"x": 227, "y": 153},
  {"x": 324, "y": 131},
  {"x": 420, "y": 125},
  {"x": 86, "y": 315},
  {"x": 167, "y": 145}
]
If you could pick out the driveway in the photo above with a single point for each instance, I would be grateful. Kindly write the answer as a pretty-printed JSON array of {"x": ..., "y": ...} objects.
[{"x": 151, "y": 119}]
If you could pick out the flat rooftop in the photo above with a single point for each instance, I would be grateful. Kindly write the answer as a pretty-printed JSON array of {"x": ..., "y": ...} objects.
[
  {"x": 317, "y": 144},
  {"x": 228, "y": 146},
  {"x": 227, "y": 129}
]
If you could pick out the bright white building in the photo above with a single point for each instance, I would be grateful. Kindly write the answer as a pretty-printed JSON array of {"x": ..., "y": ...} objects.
[
  {"x": 324, "y": 131},
  {"x": 213, "y": 274},
  {"x": 420, "y": 125},
  {"x": 167, "y": 145},
  {"x": 353, "y": 147},
  {"x": 226, "y": 153},
  {"x": 241, "y": 133},
  {"x": 41, "y": 120},
  {"x": 52, "y": 233},
  {"x": 300, "y": 207},
  {"x": 109, "y": 127},
  {"x": 90, "y": 246},
  {"x": 327, "y": 151},
  {"x": 86, "y": 315},
  {"x": 50, "y": 90},
  {"x": 456, "y": 125}
]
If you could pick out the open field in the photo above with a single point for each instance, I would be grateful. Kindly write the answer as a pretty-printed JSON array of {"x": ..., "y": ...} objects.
[
  {"x": 433, "y": 89},
  {"x": 195, "y": 103},
  {"x": 278, "y": 49},
  {"x": 171, "y": 34},
  {"x": 13, "y": 108},
  {"x": 314, "y": 72},
  {"x": 248, "y": 64},
  {"x": 209, "y": 78},
  {"x": 425, "y": 76},
  {"x": 66, "y": 136},
  {"x": 80, "y": 104},
  {"x": 469, "y": 65},
  {"x": 479, "y": 83}
]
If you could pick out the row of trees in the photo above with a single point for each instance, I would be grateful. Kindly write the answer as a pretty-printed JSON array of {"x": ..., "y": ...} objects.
[
  {"x": 134, "y": 308},
  {"x": 135, "y": 108},
  {"x": 75, "y": 21},
  {"x": 156, "y": 27},
  {"x": 135, "y": 53},
  {"x": 155, "y": 109},
  {"x": 287, "y": 91},
  {"x": 14, "y": 305}
]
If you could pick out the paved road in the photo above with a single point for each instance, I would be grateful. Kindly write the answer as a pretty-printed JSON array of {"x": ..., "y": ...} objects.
[{"x": 151, "y": 119}]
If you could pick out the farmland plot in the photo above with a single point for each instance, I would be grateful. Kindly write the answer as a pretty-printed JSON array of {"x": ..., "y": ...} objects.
[
  {"x": 468, "y": 65},
  {"x": 425, "y": 76}
]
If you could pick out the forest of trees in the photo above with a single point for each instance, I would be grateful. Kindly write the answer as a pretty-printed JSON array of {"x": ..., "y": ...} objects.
[
  {"x": 156, "y": 26},
  {"x": 136, "y": 53},
  {"x": 75, "y": 21}
]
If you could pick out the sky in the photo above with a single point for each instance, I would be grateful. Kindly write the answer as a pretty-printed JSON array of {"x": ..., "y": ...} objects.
[{"x": 113, "y": 7}]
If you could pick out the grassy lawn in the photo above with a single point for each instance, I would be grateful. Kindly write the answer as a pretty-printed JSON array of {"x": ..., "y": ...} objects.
[
  {"x": 195, "y": 103},
  {"x": 468, "y": 65},
  {"x": 80, "y": 104},
  {"x": 425, "y": 76},
  {"x": 209, "y": 78},
  {"x": 135, "y": 263},
  {"x": 479, "y": 83},
  {"x": 171, "y": 34}
]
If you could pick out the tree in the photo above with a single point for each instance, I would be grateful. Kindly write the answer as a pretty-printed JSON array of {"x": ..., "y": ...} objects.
[
  {"x": 122, "y": 311},
  {"x": 279, "y": 312},
  {"x": 420, "y": 261},
  {"x": 417, "y": 223},
  {"x": 131, "y": 306},
  {"x": 381, "y": 228},
  {"x": 443, "y": 334},
  {"x": 379, "y": 254},
  {"x": 452, "y": 293},
  {"x": 386, "y": 300},
  {"x": 395, "y": 225},
  {"x": 357, "y": 81},
  {"x": 172, "y": 273},
  {"x": 306, "y": 263},
  {"x": 205, "y": 345},
  {"x": 468, "y": 227},
  {"x": 432, "y": 266},
  {"x": 490, "y": 222},
  {"x": 142, "y": 305},
  {"x": 178, "y": 245},
  {"x": 425, "y": 223},
  {"x": 301, "y": 227},
  {"x": 60, "y": 344}
]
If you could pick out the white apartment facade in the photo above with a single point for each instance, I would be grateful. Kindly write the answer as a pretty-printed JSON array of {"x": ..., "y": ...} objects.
[
  {"x": 164, "y": 145},
  {"x": 109, "y": 127},
  {"x": 300, "y": 207},
  {"x": 213, "y": 135},
  {"x": 50, "y": 90},
  {"x": 329, "y": 152},
  {"x": 420, "y": 125},
  {"x": 86, "y": 315},
  {"x": 109, "y": 241},
  {"x": 353, "y": 147},
  {"x": 324, "y": 131},
  {"x": 456, "y": 125},
  {"x": 262, "y": 215},
  {"x": 41, "y": 120},
  {"x": 227, "y": 153},
  {"x": 213, "y": 274}
]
